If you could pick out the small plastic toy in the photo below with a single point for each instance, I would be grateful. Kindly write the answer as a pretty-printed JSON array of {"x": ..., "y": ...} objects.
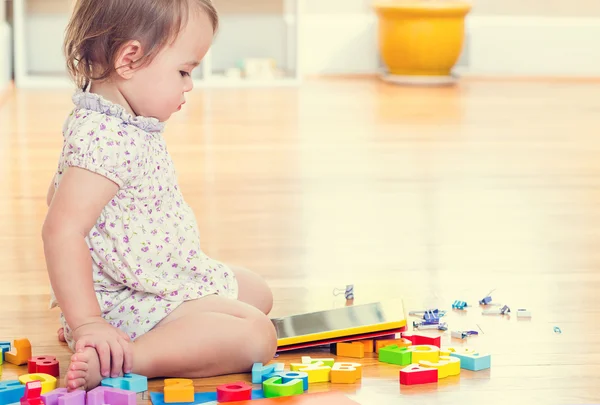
[
  {"x": 47, "y": 382},
  {"x": 296, "y": 375},
  {"x": 33, "y": 394},
  {"x": 275, "y": 387},
  {"x": 178, "y": 390},
  {"x": 424, "y": 340},
  {"x": 11, "y": 391},
  {"x": 113, "y": 396},
  {"x": 4, "y": 347},
  {"x": 60, "y": 396},
  {"x": 460, "y": 305},
  {"x": 237, "y": 391},
  {"x": 459, "y": 334},
  {"x": 317, "y": 372},
  {"x": 353, "y": 349},
  {"x": 424, "y": 352},
  {"x": 129, "y": 382},
  {"x": 259, "y": 371},
  {"x": 471, "y": 360},
  {"x": 345, "y": 373},
  {"x": 22, "y": 352},
  {"x": 415, "y": 374},
  {"x": 43, "y": 364},
  {"x": 402, "y": 342},
  {"x": 400, "y": 356}
]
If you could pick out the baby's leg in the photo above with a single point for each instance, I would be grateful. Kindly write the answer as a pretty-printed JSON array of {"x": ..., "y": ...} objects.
[
  {"x": 201, "y": 338},
  {"x": 253, "y": 289}
]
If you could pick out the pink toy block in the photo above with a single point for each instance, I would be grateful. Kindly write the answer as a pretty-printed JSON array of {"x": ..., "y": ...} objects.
[
  {"x": 113, "y": 396},
  {"x": 60, "y": 396},
  {"x": 33, "y": 393}
]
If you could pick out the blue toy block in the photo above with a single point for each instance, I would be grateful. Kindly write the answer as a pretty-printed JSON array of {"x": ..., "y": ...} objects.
[
  {"x": 158, "y": 398},
  {"x": 129, "y": 382},
  {"x": 295, "y": 375},
  {"x": 473, "y": 362},
  {"x": 4, "y": 347},
  {"x": 11, "y": 391},
  {"x": 259, "y": 371}
]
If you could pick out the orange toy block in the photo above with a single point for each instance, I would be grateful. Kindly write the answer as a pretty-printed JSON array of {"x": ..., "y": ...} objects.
[
  {"x": 353, "y": 349},
  {"x": 369, "y": 345},
  {"x": 22, "y": 352},
  {"x": 179, "y": 390},
  {"x": 401, "y": 342},
  {"x": 346, "y": 373}
]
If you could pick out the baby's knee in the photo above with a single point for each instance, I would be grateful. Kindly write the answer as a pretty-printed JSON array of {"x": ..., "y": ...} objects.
[{"x": 262, "y": 339}]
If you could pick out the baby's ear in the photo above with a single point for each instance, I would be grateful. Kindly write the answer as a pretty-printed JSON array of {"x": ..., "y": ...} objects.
[{"x": 127, "y": 59}]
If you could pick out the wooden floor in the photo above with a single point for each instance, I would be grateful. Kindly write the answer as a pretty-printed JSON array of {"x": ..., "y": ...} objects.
[{"x": 431, "y": 195}]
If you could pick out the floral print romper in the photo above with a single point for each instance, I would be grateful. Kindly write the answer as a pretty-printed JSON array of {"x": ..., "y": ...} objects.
[{"x": 145, "y": 246}]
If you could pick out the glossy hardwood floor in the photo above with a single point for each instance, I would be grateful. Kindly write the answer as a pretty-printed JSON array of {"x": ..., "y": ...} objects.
[{"x": 430, "y": 194}]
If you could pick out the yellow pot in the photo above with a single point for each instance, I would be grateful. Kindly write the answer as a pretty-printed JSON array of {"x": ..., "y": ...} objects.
[{"x": 421, "y": 38}]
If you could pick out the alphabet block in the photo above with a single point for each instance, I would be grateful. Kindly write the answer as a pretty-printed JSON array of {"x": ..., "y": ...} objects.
[
  {"x": 328, "y": 361},
  {"x": 369, "y": 345},
  {"x": 259, "y": 371},
  {"x": 60, "y": 396},
  {"x": 317, "y": 372},
  {"x": 415, "y": 374},
  {"x": 295, "y": 375},
  {"x": 388, "y": 342},
  {"x": 352, "y": 349},
  {"x": 238, "y": 391},
  {"x": 275, "y": 387},
  {"x": 4, "y": 347},
  {"x": 43, "y": 364},
  {"x": 21, "y": 354},
  {"x": 346, "y": 373},
  {"x": 470, "y": 360},
  {"x": 178, "y": 390},
  {"x": 424, "y": 352},
  {"x": 129, "y": 382},
  {"x": 48, "y": 382},
  {"x": 425, "y": 340},
  {"x": 33, "y": 392},
  {"x": 393, "y": 354},
  {"x": 11, "y": 391},
  {"x": 113, "y": 396}
]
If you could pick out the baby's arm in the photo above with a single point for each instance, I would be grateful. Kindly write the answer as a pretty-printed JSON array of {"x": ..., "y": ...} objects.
[
  {"x": 75, "y": 208},
  {"x": 50, "y": 193}
]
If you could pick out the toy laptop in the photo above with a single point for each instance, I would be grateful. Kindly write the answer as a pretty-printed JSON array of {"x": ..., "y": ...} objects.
[{"x": 349, "y": 323}]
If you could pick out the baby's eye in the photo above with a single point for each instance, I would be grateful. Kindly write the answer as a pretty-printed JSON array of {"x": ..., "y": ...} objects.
[{"x": 183, "y": 73}]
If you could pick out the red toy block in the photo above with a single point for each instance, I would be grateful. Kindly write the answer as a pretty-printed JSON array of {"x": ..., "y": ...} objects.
[
  {"x": 33, "y": 394},
  {"x": 238, "y": 391},
  {"x": 43, "y": 364},
  {"x": 424, "y": 340},
  {"x": 415, "y": 374}
]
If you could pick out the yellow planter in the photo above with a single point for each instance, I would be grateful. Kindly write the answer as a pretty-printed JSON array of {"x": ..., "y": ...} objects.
[{"x": 421, "y": 38}]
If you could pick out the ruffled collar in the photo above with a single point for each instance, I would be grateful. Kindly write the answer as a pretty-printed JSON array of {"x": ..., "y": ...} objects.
[{"x": 95, "y": 102}]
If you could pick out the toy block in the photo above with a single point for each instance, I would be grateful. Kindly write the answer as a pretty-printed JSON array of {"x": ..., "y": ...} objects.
[
  {"x": 295, "y": 375},
  {"x": 113, "y": 396},
  {"x": 275, "y": 387},
  {"x": 424, "y": 340},
  {"x": 22, "y": 352},
  {"x": 401, "y": 342},
  {"x": 317, "y": 372},
  {"x": 326, "y": 361},
  {"x": 4, "y": 347},
  {"x": 47, "y": 381},
  {"x": 259, "y": 371},
  {"x": 178, "y": 390},
  {"x": 424, "y": 352},
  {"x": 369, "y": 345},
  {"x": 473, "y": 361},
  {"x": 33, "y": 393},
  {"x": 346, "y": 373},
  {"x": 129, "y": 382},
  {"x": 60, "y": 396},
  {"x": 415, "y": 374},
  {"x": 11, "y": 391},
  {"x": 352, "y": 349},
  {"x": 400, "y": 356},
  {"x": 43, "y": 364},
  {"x": 237, "y": 391},
  {"x": 441, "y": 366},
  {"x": 453, "y": 366}
]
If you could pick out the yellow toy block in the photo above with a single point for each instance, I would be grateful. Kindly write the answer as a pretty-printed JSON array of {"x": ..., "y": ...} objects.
[
  {"x": 346, "y": 373},
  {"x": 425, "y": 353},
  {"x": 369, "y": 345},
  {"x": 48, "y": 381},
  {"x": 326, "y": 361},
  {"x": 179, "y": 390},
  {"x": 388, "y": 342},
  {"x": 22, "y": 352},
  {"x": 453, "y": 364},
  {"x": 317, "y": 372},
  {"x": 353, "y": 349}
]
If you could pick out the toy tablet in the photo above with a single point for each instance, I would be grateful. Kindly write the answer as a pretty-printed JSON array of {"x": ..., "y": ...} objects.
[{"x": 341, "y": 323}]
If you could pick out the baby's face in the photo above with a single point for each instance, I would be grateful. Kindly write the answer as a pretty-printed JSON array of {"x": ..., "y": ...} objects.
[{"x": 158, "y": 90}]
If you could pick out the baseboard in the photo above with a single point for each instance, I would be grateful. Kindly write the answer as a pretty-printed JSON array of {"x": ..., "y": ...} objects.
[{"x": 495, "y": 46}]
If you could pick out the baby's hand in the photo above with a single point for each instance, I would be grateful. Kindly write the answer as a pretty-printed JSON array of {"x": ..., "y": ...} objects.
[{"x": 111, "y": 344}]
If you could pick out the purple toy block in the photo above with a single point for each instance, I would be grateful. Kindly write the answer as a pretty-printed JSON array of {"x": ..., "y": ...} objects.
[
  {"x": 60, "y": 396},
  {"x": 110, "y": 396}
]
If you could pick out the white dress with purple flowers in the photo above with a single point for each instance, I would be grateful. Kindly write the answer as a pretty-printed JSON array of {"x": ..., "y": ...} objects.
[{"x": 145, "y": 246}]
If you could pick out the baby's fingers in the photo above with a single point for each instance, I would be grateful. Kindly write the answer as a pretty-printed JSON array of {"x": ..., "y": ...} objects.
[
  {"x": 82, "y": 344},
  {"x": 103, "y": 350},
  {"x": 127, "y": 356},
  {"x": 116, "y": 357}
]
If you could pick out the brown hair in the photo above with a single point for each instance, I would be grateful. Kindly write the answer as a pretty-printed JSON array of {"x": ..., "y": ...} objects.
[{"x": 99, "y": 28}]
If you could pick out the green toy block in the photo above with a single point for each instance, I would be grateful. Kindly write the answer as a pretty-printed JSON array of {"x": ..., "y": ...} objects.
[
  {"x": 274, "y": 387},
  {"x": 395, "y": 355}
]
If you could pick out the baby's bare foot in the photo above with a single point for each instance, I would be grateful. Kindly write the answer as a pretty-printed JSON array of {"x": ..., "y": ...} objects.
[
  {"x": 61, "y": 335},
  {"x": 84, "y": 370}
]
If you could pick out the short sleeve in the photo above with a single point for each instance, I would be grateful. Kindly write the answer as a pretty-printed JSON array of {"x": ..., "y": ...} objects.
[{"x": 99, "y": 144}]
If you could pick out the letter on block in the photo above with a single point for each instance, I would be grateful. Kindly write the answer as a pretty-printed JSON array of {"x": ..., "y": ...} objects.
[
  {"x": 346, "y": 373},
  {"x": 112, "y": 396},
  {"x": 43, "y": 364},
  {"x": 326, "y": 361},
  {"x": 473, "y": 361},
  {"x": 22, "y": 353},
  {"x": 415, "y": 374},
  {"x": 295, "y": 375},
  {"x": 129, "y": 382},
  {"x": 424, "y": 352},
  {"x": 317, "y": 372},
  {"x": 275, "y": 387},
  {"x": 33, "y": 393},
  {"x": 178, "y": 390},
  {"x": 60, "y": 396},
  {"x": 259, "y": 372},
  {"x": 388, "y": 342},
  {"x": 48, "y": 382},
  {"x": 11, "y": 391},
  {"x": 237, "y": 391},
  {"x": 393, "y": 354}
]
